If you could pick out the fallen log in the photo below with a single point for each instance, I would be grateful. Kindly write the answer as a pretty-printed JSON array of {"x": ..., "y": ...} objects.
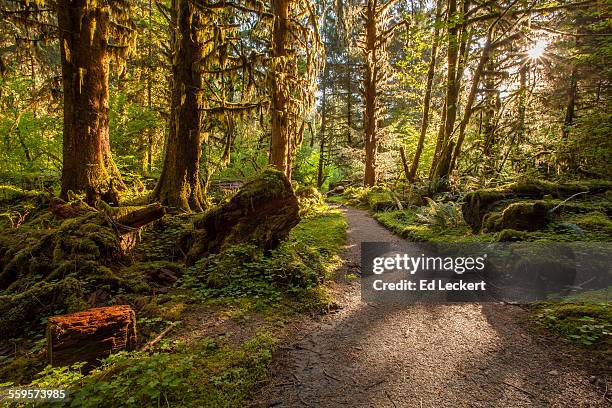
[
  {"x": 90, "y": 335},
  {"x": 141, "y": 217}
]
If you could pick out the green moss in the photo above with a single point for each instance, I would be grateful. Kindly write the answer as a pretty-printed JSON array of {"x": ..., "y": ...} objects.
[
  {"x": 510, "y": 235},
  {"x": 479, "y": 202},
  {"x": 272, "y": 183},
  {"x": 23, "y": 310},
  {"x": 588, "y": 324},
  {"x": 205, "y": 374},
  {"x": 594, "y": 220},
  {"x": 405, "y": 223},
  {"x": 310, "y": 200}
]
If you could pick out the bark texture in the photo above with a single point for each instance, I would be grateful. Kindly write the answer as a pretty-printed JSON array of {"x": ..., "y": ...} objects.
[
  {"x": 280, "y": 144},
  {"x": 371, "y": 117},
  {"x": 179, "y": 184},
  {"x": 263, "y": 213},
  {"x": 87, "y": 163},
  {"x": 90, "y": 335}
]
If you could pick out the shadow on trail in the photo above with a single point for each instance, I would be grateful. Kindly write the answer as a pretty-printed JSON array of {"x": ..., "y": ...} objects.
[{"x": 386, "y": 355}]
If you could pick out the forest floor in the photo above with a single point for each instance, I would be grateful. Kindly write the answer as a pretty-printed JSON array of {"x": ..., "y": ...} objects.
[{"x": 461, "y": 355}]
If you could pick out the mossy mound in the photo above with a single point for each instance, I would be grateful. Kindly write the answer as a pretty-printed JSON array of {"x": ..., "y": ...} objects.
[
  {"x": 380, "y": 199},
  {"x": 597, "y": 222},
  {"x": 309, "y": 199},
  {"x": 83, "y": 247},
  {"x": 588, "y": 324},
  {"x": 510, "y": 235},
  {"x": 24, "y": 310},
  {"x": 60, "y": 266},
  {"x": 261, "y": 213},
  {"x": 478, "y": 203},
  {"x": 520, "y": 216}
]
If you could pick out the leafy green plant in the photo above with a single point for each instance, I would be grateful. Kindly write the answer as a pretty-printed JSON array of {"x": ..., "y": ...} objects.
[
  {"x": 440, "y": 214},
  {"x": 583, "y": 323}
]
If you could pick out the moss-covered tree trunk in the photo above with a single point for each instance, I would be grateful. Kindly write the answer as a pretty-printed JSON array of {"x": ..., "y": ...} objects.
[
  {"x": 280, "y": 144},
  {"x": 88, "y": 166},
  {"x": 179, "y": 184},
  {"x": 442, "y": 167},
  {"x": 411, "y": 174},
  {"x": 371, "y": 114}
]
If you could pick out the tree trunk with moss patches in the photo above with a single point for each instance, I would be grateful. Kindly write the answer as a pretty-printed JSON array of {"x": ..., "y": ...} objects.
[
  {"x": 442, "y": 166},
  {"x": 370, "y": 95},
  {"x": 88, "y": 166},
  {"x": 280, "y": 146},
  {"x": 427, "y": 99},
  {"x": 179, "y": 183}
]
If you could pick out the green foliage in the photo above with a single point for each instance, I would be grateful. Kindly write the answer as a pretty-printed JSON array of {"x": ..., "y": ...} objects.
[
  {"x": 406, "y": 224},
  {"x": 440, "y": 214},
  {"x": 31, "y": 137},
  {"x": 307, "y": 168},
  {"x": 588, "y": 324},
  {"x": 130, "y": 121},
  {"x": 377, "y": 198},
  {"x": 206, "y": 374},
  {"x": 310, "y": 199},
  {"x": 299, "y": 264}
]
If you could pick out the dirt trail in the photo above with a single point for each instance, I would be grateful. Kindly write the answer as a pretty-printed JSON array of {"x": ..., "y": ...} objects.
[{"x": 463, "y": 355}]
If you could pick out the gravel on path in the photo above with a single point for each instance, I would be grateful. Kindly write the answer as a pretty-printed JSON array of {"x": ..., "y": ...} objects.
[{"x": 385, "y": 355}]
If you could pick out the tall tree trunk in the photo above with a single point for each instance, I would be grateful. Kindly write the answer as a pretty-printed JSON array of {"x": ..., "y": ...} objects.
[
  {"x": 427, "y": 99},
  {"x": 179, "y": 184},
  {"x": 280, "y": 144},
  {"x": 484, "y": 57},
  {"x": 571, "y": 102},
  {"x": 439, "y": 142},
  {"x": 489, "y": 127},
  {"x": 370, "y": 95},
  {"x": 87, "y": 163},
  {"x": 522, "y": 103},
  {"x": 322, "y": 135},
  {"x": 349, "y": 100},
  {"x": 149, "y": 86},
  {"x": 452, "y": 92}
]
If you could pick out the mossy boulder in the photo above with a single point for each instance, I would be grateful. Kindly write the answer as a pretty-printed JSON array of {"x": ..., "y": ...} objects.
[
  {"x": 262, "y": 213},
  {"x": 380, "y": 198},
  {"x": 510, "y": 235},
  {"x": 478, "y": 203},
  {"x": 525, "y": 216}
]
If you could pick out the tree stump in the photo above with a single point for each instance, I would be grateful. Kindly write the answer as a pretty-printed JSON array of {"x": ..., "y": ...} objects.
[
  {"x": 261, "y": 213},
  {"x": 90, "y": 335}
]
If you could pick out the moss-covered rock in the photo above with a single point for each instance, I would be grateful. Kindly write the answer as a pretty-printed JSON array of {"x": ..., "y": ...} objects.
[
  {"x": 524, "y": 216},
  {"x": 510, "y": 235},
  {"x": 261, "y": 213},
  {"x": 480, "y": 202}
]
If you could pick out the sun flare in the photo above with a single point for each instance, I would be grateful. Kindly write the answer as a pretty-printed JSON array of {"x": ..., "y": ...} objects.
[{"x": 537, "y": 51}]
